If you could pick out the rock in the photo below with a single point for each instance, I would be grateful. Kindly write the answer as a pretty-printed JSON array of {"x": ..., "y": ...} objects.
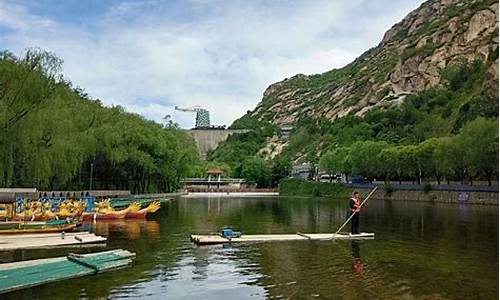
[
  {"x": 273, "y": 88},
  {"x": 482, "y": 22},
  {"x": 492, "y": 79}
]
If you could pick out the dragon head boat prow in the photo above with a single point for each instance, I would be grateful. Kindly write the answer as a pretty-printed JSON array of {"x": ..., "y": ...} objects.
[{"x": 141, "y": 214}]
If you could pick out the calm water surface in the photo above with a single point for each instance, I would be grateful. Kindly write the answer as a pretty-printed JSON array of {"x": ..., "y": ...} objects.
[{"x": 421, "y": 251}]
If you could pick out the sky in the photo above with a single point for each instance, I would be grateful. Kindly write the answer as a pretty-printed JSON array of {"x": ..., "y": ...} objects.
[{"x": 149, "y": 56}]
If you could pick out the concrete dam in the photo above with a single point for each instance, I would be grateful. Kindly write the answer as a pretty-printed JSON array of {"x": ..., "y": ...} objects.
[{"x": 209, "y": 139}]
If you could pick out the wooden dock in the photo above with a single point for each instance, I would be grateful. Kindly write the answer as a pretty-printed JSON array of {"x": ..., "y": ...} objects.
[
  {"x": 218, "y": 239},
  {"x": 26, "y": 274},
  {"x": 47, "y": 240}
]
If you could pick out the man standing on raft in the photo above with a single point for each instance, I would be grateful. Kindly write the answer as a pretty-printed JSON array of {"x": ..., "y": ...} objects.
[{"x": 355, "y": 206}]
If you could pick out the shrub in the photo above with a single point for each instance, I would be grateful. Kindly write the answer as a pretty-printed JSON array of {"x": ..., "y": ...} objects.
[{"x": 300, "y": 187}]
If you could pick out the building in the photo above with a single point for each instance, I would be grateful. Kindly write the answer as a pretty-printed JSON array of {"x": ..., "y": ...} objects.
[
  {"x": 286, "y": 130},
  {"x": 303, "y": 171}
]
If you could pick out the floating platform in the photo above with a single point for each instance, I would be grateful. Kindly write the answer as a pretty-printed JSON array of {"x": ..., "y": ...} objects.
[
  {"x": 47, "y": 240},
  {"x": 26, "y": 274},
  {"x": 218, "y": 239}
]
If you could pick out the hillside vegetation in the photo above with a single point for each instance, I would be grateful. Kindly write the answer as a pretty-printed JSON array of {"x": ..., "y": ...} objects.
[
  {"x": 53, "y": 135},
  {"x": 422, "y": 105}
]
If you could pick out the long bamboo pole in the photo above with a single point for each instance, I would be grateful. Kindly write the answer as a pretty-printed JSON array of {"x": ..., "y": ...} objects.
[{"x": 350, "y": 217}]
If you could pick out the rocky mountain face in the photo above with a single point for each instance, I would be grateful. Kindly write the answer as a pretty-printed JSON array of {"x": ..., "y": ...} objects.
[{"x": 410, "y": 58}]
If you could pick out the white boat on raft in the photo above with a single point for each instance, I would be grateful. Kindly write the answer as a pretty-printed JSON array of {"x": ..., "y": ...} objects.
[{"x": 255, "y": 238}]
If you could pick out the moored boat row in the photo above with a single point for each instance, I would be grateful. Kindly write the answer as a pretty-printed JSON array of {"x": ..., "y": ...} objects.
[
  {"x": 45, "y": 210},
  {"x": 37, "y": 227}
]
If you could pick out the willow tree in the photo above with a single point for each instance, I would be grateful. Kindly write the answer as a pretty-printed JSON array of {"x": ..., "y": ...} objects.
[
  {"x": 26, "y": 84},
  {"x": 54, "y": 137}
]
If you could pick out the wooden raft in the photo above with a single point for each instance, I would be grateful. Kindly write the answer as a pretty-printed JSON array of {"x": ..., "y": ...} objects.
[
  {"x": 26, "y": 274},
  {"x": 218, "y": 239},
  {"x": 33, "y": 241}
]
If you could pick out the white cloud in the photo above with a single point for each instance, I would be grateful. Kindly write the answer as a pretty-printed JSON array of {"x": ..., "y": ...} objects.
[
  {"x": 222, "y": 56},
  {"x": 16, "y": 17}
]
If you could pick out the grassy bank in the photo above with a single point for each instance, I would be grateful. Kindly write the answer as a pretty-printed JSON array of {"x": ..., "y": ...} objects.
[{"x": 298, "y": 187}]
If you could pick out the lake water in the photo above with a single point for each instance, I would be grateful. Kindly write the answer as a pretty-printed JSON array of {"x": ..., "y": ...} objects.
[{"x": 420, "y": 251}]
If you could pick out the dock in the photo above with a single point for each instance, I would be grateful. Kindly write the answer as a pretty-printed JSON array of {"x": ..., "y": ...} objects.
[
  {"x": 48, "y": 240},
  {"x": 25, "y": 274},
  {"x": 218, "y": 239}
]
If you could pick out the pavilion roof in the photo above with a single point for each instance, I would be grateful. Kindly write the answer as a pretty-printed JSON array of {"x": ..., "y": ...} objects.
[{"x": 215, "y": 171}]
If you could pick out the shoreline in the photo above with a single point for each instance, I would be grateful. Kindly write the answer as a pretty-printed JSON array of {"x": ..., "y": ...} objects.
[{"x": 229, "y": 194}]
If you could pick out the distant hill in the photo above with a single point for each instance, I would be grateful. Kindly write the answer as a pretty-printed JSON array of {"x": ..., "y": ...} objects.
[
  {"x": 410, "y": 58},
  {"x": 432, "y": 73}
]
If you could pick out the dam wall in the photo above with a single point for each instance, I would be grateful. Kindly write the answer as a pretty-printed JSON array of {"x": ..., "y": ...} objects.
[{"x": 209, "y": 139}]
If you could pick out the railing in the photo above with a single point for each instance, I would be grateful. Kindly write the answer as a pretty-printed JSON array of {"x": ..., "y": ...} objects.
[
  {"x": 425, "y": 187},
  {"x": 213, "y": 180},
  {"x": 55, "y": 202},
  {"x": 225, "y": 189}
]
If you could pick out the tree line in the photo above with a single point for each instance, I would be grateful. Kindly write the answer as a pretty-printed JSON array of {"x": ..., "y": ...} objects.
[
  {"x": 471, "y": 154},
  {"x": 415, "y": 140},
  {"x": 54, "y": 136}
]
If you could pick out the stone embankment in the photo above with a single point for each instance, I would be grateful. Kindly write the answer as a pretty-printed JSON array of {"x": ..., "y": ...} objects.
[{"x": 442, "y": 196}]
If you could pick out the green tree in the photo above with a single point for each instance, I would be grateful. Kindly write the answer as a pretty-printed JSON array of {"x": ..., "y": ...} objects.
[
  {"x": 343, "y": 158},
  {"x": 281, "y": 168},
  {"x": 51, "y": 134},
  {"x": 364, "y": 158},
  {"x": 393, "y": 162},
  {"x": 480, "y": 141},
  {"x": 448, "y": 157},
  {"x": 336, "y": 161},
  {"x": 257, "y": 170},
  {"x": 409, "y": 159},
  {"x": 328, "y": 164},
  {"x": 426, "y": 161}
]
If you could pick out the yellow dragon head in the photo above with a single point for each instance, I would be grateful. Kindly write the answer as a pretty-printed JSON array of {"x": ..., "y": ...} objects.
[
  {"x": 104, "y": 206},
  {"x": 153, "y": 206},
  {"x": 134, "y": 207},
  {"x": 71, "y": 208},
  {"x": 36, "y": 206}
]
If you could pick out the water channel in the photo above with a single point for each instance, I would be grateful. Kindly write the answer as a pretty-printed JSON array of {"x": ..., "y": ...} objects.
[{"x": 420, "y": 251}]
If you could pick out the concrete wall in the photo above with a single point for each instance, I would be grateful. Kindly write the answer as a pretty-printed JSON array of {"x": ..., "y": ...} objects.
[
  {"x": 209, "y": 139},
  {"x": 489, "y": 198}
]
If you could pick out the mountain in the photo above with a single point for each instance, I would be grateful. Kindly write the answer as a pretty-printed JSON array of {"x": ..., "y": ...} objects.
[
  {"x": 410, "y": 58},
  {"x": 432, "y": 75}
]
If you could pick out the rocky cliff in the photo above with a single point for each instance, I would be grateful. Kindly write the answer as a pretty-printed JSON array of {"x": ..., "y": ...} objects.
[{"x": 410, "y": 58}]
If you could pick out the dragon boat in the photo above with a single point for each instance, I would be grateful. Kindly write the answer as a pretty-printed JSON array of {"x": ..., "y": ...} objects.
[
  {"x": 35, "y": 210},
  {"x": 37, "y": 227},
  {"x": 40, "y": 210},
  {"x": 104, "y": 211}
]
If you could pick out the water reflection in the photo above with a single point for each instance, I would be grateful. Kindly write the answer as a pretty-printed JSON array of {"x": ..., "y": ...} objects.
[
  {"x": 130, "y": 229},
  {"x": 200, "y": 263},
  {"x": 357, "y": 264},
  {"x": 416, "y": 245}
]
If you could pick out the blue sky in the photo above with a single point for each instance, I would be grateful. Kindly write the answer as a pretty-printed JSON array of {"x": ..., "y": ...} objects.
[{"x": 149, "y": 56}]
